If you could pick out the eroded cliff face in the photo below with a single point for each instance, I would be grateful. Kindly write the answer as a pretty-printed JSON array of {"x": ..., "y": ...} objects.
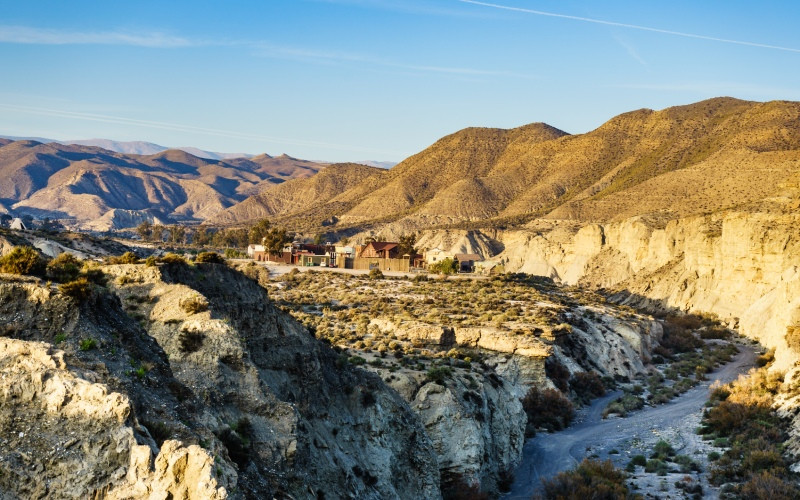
[
  {"x": 742, "y": 266},
  {"x": 193, "y": 386}
]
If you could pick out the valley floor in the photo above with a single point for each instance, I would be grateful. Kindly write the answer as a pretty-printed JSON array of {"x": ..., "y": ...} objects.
[{"x": 619, "y": 439}]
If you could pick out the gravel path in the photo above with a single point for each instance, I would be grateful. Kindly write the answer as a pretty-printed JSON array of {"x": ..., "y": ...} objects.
[{"x": 548, "y": 454}]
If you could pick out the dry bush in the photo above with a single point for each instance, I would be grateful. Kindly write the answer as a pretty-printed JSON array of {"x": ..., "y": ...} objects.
[
  {"x": 23, "y": 260},
  {"x": 558, "y": 373},
  {"x": 548, "y": 408},
  {"x": 79, "y": 289},
  {"x": 194, "y": 304},
  {"x": 210, "y": 258},
  {"x": 593, "y": 479},
  {"x": 126, "y": 258},
  {"x": 793, "y": 337},
  {"x": 765, "y": 486},
  {"x": 587, "y": 386},
  {"x": 172, "y": 258},
  {"x": 66, "y": 267}
]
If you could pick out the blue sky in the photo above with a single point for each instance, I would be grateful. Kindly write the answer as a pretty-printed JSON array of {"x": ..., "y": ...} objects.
[{"x": 374, "y": 79}]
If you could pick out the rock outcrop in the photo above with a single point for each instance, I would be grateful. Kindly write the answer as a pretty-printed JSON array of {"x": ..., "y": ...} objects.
[
  {"x": 66, "y": 437},
  {"x": 185, "y": 381},
  {"x": 741, "y": 266}
]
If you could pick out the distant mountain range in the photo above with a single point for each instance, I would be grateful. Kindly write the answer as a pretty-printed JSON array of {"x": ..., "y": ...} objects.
[
  {"x": 135, "y": 147},
  {"x": 149, "y": 148},
  {"x": 701, "y": 158},
  {"x": 89, "y": 184}
]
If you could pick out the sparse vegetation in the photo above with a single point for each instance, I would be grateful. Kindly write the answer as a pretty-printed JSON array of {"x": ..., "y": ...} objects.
[
  {"x": 88, "y": 344},
  {"x": 66, "y": 267},
  {"x": 590, "y": 479},
  {"x": 209, "y": 257},
  {"x": 23, "y": 260},
  {"x": 194, "y": 304},
  {"x": 79, "y": 289},
  {"x": 126, "y": 258},
  {"x": 742, "y": 420}
]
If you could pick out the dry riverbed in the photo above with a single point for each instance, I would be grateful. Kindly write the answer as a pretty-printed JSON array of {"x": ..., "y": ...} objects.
[{"x": 621, "y": 439}]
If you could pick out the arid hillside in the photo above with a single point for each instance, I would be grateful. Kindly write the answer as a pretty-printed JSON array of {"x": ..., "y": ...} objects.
[
  {"x": 319, "y": 194},
  {"x": 84, "y": 183},
  {"x": 697, "y": 159}
]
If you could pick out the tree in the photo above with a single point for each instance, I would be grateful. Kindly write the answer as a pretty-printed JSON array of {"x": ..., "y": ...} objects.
[
  {"x": 406, "y": 244},
  {"x": 201, "y": 236},
  {"x": 259, "y": 231},
  {"x": 177, "y": 234},
  {"x": 158, "y": 232},
  {"x": 446, "y": 266},
  {"x": 319, "y": 239},
  {"x": 145, "y": 230},
  {"x": 236, "y": 237},
  {"x": 51, "y": 226},
  {"x": 276, "y": 239}
]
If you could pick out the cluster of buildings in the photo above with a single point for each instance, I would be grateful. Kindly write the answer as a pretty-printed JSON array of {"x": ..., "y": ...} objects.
[{"x": 383, "y": 255}]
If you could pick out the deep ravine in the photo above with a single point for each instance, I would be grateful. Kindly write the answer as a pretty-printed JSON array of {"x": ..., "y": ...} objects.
[{"x": 547, "y": 454}]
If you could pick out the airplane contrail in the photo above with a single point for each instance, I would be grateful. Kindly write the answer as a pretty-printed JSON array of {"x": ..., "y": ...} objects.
[{"x": 630, "y": 26}]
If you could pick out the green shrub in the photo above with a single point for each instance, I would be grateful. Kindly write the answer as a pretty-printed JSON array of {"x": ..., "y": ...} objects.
[
  {"x": 375, "y": 274},
  {"x": 66, "y": 267},
  {"x": 23, "y": 260},
  {"x": 230, "y": 253},
  {"x": 210, "y": 258},
  {"x": 663, "y": 450},
  {"x": 61, "y": 337},
  {"x": 79, "y": 289},
  {"x": 150, "y": 261},
  {"x": 658, "y": 466},
  {"x": 88, "y": 344},
  {"x": 446, "y": 267},
  {"x": 639, "y": 460},
  {"x": 590, "y": 479},
  {"x": 439, "y": 374}
]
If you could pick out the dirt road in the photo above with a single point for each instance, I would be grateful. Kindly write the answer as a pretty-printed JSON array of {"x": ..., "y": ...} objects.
[{"x": 548, "y": 454}]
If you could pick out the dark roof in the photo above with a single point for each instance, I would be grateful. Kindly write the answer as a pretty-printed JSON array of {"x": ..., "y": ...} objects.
[
  {"x": 382, "y": 245},
  {"x": 463, "y": 257}
]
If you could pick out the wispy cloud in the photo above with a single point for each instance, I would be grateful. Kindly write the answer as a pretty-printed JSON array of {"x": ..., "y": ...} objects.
[
  {"x": 630, "y": 49},
  {"x": 150, "y": 124},
  {"x": 333, "y": 57},
  {"x": 41, "y": 36},
  {"x": 631, "y": 26}
]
